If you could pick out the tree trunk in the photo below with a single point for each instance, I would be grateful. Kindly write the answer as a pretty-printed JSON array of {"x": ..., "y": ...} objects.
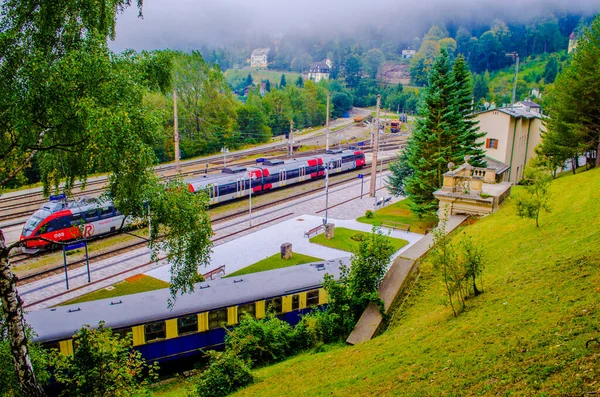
[{"x": 13, "y": 311}]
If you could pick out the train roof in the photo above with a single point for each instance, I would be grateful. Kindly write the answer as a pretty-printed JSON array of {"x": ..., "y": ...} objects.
[{"x": 63, "y": 321}]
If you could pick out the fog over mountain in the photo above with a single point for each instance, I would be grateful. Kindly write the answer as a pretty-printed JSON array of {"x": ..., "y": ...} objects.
[{"x": 186, "y": 24}]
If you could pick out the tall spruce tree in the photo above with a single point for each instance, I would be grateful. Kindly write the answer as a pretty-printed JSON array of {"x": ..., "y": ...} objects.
[
  {"x": 573, "y": 127},
  {"x": 435, "y": 141},
  {"x": 467, "y": 126}
]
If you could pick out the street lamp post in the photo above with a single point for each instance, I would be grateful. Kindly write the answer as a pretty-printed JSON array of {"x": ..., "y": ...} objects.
[
  {"x": 326, "y": 193},
  {"x": 224, "y": 150}
]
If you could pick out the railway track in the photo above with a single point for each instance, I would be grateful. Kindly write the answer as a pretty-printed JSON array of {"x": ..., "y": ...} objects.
[
  {"x": 26, "y": 209},
  {"x": 20, "y": 258}
]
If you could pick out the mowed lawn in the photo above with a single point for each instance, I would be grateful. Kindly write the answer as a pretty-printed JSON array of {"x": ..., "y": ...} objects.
[
  {"x": 275, "y": 262},
  {"x": 400, "y": 212},
  {"x": 132, "y": 285},
  {"x": 525, "y": 335},
  {"x": 342, "y": 240}
]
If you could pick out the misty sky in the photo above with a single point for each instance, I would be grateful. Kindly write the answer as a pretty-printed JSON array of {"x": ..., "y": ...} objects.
[{"x": 187, "y": 24}]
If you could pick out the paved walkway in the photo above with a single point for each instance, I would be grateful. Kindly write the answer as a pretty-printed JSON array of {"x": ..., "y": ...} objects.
[
  {"x": 344, "y": 205},
  {"x": 257, "y": 246},
  {"x": 393, "y": 282}
]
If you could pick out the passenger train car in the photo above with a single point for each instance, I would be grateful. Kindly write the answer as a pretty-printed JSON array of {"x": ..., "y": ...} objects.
[
  {"x": 69, "y": 220},
  {"x": 65, "y": 220},
  {"x": 197, "y": 320},
  {"x": 235, "y": 182}
]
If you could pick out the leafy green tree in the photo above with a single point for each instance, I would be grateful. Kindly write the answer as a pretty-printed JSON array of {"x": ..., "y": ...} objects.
[
  {"x": 373, "y": 60},
  {"x": 574, "y": 104},
  {"x": 445, "y": 261},
  {"x": 206, "y": 105},
  {"x": 76, "y": 108},
  {"x": 435, "y": 141},
  {"x": 103, "y": 364},
  {"x": 467, "y": 127},
  {"x": 301, "y": 63},
  {"x": 341, "y": 103},
  {"x": 551, "y": 70},
  {"x": 463, "y": 42},
  {"x": 473, "y": 261},
  {"x": 352, "y": 71},
  {"x": 252, "y": 124},
  {"x": 300, "y": 82},
  {"x": 268, "y": 85},
  {"x": 537, "y": 180},
  {"x": 357, "y": 286},
  {"x": 282, "y": 82}
]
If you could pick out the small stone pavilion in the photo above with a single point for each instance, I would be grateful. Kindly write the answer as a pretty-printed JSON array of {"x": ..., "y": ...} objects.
[{"x": 469, "y": 190}]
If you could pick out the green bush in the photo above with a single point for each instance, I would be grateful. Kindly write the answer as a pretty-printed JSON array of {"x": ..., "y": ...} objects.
[
  {"x": 225, "y": 374},
  {"x": 358, "y": 237},
  {"x": 369, "y": 214},
  {"x": 263, "y": 341}
]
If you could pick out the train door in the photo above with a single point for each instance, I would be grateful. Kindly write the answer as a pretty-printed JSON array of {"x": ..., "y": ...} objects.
[
  {"x": 282, "y": 177},
  {"x": 302, "y": 173},
  {"x": 213, "y": 192},
  {"x": 240, "y": 188}
]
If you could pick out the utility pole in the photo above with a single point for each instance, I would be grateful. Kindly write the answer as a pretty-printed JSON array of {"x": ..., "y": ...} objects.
[
  {"x": 291, "y": 140},
  {"x": 375, "y": 149},
  {"x": 514, "y": 55},
  {"x": 327, "y": 125},
  {"x": 176, "y": 132}
]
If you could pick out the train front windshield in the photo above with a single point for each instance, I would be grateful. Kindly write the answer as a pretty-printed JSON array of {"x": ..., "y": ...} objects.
[{"x": 32, "y": 222}]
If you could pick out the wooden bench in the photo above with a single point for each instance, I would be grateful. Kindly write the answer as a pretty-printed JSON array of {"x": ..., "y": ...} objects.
[
  {"x": 314, "y": 230},
  {"x": 396, "y": 225},
  {"x": 212, "y": 273}
]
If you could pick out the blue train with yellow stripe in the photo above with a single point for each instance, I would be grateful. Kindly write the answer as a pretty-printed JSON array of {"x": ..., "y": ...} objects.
[{"x": 197, "y": 320}]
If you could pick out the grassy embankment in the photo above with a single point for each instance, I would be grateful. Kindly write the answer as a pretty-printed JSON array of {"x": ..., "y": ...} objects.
[
  {"x": 400, "y": 212},
  {"x": 275, "y": 262},
  {"x": 342, "y": 240},
  {"x": 526, "y": 335}
]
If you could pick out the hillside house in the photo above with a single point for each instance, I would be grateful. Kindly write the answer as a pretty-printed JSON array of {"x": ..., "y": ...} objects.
[
  {"x": 572, "y": 43},
  {"x": 408, "y": 53},
  {"x": 319, "y": 71},
  {"x": 529, "y": 106},
  {"x": 259, "y": 58},
  {"x": 511, "y": 134}
]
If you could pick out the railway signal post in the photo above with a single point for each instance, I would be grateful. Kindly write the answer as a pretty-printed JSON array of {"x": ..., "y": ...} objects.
[{"x": 327, "y": 125}]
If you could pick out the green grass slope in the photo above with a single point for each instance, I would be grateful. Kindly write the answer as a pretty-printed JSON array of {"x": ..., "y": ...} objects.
[{"x": 525, "y": 336}]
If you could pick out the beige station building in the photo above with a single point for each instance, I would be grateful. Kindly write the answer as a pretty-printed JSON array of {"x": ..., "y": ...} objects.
[{"x": 511, "y": 135}]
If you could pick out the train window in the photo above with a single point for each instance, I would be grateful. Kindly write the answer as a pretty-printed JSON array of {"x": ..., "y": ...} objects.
[
  {"x": 274, "y": 305},
  {"x": 348, "y": 159},
  {"x": 293, "y": 174},
  {"x": 273, "y": 178},
  {"x": 76, "y": 220},
  {"x": 91, "y": 215},
  {"x": 123, "y": 333},
  {"x": 187, "y": 324},
  {"x": 312, "y": 298},
  {"x": 51, "y": 345},
  {"x": 295, "y": 302},
  {"x": 154, "y": 331},
  {"x": 217, "y": 318},
  {"x": 106, "y": 213},
  {"x": 249, "y": 309}
]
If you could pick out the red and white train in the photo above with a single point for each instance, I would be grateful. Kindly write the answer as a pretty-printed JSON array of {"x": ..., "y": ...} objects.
[{"x": 69, "y": 220}]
